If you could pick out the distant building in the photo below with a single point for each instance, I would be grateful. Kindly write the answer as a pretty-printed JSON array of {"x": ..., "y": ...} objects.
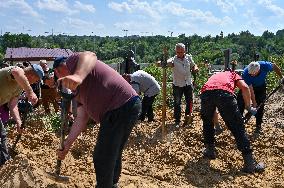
[{"x": 34, "y": 55}]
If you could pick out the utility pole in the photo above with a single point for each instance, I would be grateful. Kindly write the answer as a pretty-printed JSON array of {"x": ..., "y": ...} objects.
[{"x": 125, "y": 30}]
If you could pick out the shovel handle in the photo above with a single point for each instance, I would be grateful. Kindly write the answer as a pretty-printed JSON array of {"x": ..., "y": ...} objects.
[{"x": 58, "y": 166}]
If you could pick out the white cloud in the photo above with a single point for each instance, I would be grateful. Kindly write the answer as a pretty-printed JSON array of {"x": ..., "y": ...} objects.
[
  {"x": 21, "y": 6},
  {"x": 253, "y": 22},
  {"x": 84, "y": 7},
  {"x": 268, "y": 4},
  {"x": 135, "y": 6},
  {"x": 82, "y": 24},
  {"x": 226, "y": 5},
  {"x": 55, "y": 6}
]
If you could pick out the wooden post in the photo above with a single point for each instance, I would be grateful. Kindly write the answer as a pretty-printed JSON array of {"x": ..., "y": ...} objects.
[{"x": 164, "y": 91}]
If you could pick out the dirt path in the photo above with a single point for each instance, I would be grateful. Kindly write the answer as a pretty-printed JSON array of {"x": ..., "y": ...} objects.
[{"x": 149, "y": 162}]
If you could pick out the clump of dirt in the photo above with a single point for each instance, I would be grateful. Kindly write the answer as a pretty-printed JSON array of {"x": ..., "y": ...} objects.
[{"x": 149, "y": 161}]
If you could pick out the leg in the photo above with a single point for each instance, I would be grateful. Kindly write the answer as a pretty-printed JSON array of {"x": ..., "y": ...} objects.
[
  {"x": 260, "y": 95},
  {"x": 241, "y": 103},
  {"x": 45, "y": 100},
  {"x": 234, "y": 121},
  {"x": 150, "y": 113},
  {"x": 144, "y": 108},
  {"x": 188, "y": 99},
  {"x": 207, "y": 112},
  {"x": 4, "y": 155},
  {"x": 177, "y": 93},
  {"x": 114, "y": 131}
]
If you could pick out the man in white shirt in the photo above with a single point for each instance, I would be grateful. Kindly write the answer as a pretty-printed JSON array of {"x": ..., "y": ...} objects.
[
  {"x": 142, "y": 82},
  {"x": 183, "y": 67}
]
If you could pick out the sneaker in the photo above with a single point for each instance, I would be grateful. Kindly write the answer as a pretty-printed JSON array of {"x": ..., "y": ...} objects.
[
  {"x": 251, "y": 166},
  {"x": 177, "y": 123}
]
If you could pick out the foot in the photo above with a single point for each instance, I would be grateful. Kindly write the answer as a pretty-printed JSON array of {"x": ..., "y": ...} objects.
[
  {"x": 209, "y": 153},
  {"x": 177, "y": 123},
  {"x": 218, "y": 129},
  {"x": 188, "y": 119},
  {"x": 251, "y": 166}
]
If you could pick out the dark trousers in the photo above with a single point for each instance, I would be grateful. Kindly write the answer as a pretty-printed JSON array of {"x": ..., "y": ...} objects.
[
  {"x": 4, "y": 155},
  {"x": 229, "y": 111},
  {"x": 260, "y": 95},
  {"x": 147, "y": 108},
  {"x": 114, "y": 131},
  {"x": 178, "y": 92}
]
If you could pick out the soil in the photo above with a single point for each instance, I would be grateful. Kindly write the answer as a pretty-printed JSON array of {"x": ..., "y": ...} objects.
[{"x": 148, "y": 160}]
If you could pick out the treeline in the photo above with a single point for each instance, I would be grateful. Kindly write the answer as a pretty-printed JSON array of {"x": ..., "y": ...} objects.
[{"x": 149, "y": 48}]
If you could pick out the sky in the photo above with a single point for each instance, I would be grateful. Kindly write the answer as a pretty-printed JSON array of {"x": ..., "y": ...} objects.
[{"x": 140, "y": 17}]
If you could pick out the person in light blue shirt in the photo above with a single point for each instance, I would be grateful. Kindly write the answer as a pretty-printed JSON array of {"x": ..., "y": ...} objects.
[{"x": 255, "y": 77}]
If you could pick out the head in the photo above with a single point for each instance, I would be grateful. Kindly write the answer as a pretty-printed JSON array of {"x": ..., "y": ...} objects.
[
  {"x": 256, "y": 57},
  {"x": 34, "y": 73},
  {"x": 60, "y": 68},
  {"x": 127, "y": 77},
  {"x": 180, "y": 50},
  {"x": 253, "y": 68},
  {"x": 130, "y": 54},
  {"x": 43, "y": 64}
]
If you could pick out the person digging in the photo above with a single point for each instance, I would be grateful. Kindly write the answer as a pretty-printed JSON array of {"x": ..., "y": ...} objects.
[
  {"x": 218, "y": 92},
  {"x": 13, "y": 81}
]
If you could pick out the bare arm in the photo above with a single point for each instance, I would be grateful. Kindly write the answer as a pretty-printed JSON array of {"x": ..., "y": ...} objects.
[
  {"x": 86, "y": 63},
  {"x": 245, "y": 92},
  {"x": 23, "y": 82},
  {"x": 254, "y": 104},
  {"x": 13, "y": 106},
  {"x": 78, "y": 126},
  {"x": 21, "y": 79},
  {"x": 277, "y": 70}
]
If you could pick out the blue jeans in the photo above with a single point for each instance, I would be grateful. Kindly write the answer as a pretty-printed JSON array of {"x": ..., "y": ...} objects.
[
  {"x": 178, "y": 92},
  {"x": 4, "y": 155},
  {"x": 114, "y": 131},
  {"x": 229, "y": 111}
]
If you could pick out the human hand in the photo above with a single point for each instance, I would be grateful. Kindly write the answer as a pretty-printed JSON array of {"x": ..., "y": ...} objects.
[
  {"x": 32, "y": 97},
  {"x": 252, "y": 110},
  {"x": 62, "y": 153},
  {"x": 20, "y": 130},
  {"x": 70, "y": 81}
]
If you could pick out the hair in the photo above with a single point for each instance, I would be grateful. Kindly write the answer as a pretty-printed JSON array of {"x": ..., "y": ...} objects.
[
  {"x": 180, "y": 45},
  {"x": 253, "y": 67}
]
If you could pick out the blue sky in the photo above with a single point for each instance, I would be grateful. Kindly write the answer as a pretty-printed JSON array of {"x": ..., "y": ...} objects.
[{"x": 140, "y": 17}]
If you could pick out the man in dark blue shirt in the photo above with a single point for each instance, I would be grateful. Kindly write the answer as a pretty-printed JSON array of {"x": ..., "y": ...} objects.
[{"x": 255, "y": 77}]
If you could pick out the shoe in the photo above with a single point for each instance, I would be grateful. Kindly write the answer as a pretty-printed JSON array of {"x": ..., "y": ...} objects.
[
  {"x": 218, "y": 129},
  {"x": 257, "y": 132},
  {"x": 209, "y": 152},
  {"x": 251, "y": 166},
  {"x": 188, "y": 119},
  {"x": 177, "y": 123},
  {"x": 115, "y": 185}
]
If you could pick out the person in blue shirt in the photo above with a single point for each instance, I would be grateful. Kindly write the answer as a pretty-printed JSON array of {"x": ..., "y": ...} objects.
[{"x": 255, "y": 77}]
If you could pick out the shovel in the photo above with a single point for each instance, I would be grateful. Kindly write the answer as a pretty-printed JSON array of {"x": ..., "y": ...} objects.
[
  {"x": 66, "y": 100},
  {"x": 13, "y": 152},
  {"x": 248, "y": 114}
]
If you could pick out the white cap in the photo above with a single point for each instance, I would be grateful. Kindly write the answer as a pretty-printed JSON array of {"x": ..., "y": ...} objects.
[{"x": 253, "y": 67}]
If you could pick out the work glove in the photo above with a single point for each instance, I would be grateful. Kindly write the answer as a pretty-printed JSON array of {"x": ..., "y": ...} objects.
[{"x": 252, "y": 110}]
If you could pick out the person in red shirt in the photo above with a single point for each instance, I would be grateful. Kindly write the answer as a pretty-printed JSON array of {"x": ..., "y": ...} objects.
[
  {"x": 218, "y": 92},
  {"x": 103, "y": 95}
]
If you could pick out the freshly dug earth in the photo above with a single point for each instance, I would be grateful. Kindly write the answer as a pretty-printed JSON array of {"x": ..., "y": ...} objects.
[{"x": 148, "y": 161}]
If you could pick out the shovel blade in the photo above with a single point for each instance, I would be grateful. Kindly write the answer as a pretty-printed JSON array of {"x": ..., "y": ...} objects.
[{"x": 58, "y": 178}]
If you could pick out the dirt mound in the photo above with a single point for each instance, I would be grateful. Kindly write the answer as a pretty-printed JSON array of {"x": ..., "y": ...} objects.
[{"x": 149, "y": 161}]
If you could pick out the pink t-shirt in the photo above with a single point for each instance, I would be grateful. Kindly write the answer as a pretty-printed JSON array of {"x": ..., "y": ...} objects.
[
  {"x": 102, "y": 90},
  {"x": 223, "y": 81}
]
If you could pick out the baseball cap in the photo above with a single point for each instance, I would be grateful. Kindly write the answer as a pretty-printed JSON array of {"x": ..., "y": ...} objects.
[
  {"x": 37, "y": 68},
  {"x": 58, "y": 61},
  {"x": 253, "y": 67}
]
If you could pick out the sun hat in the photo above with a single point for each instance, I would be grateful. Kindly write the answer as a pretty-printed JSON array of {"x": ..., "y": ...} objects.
[{"x": 253, "y": 67}]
